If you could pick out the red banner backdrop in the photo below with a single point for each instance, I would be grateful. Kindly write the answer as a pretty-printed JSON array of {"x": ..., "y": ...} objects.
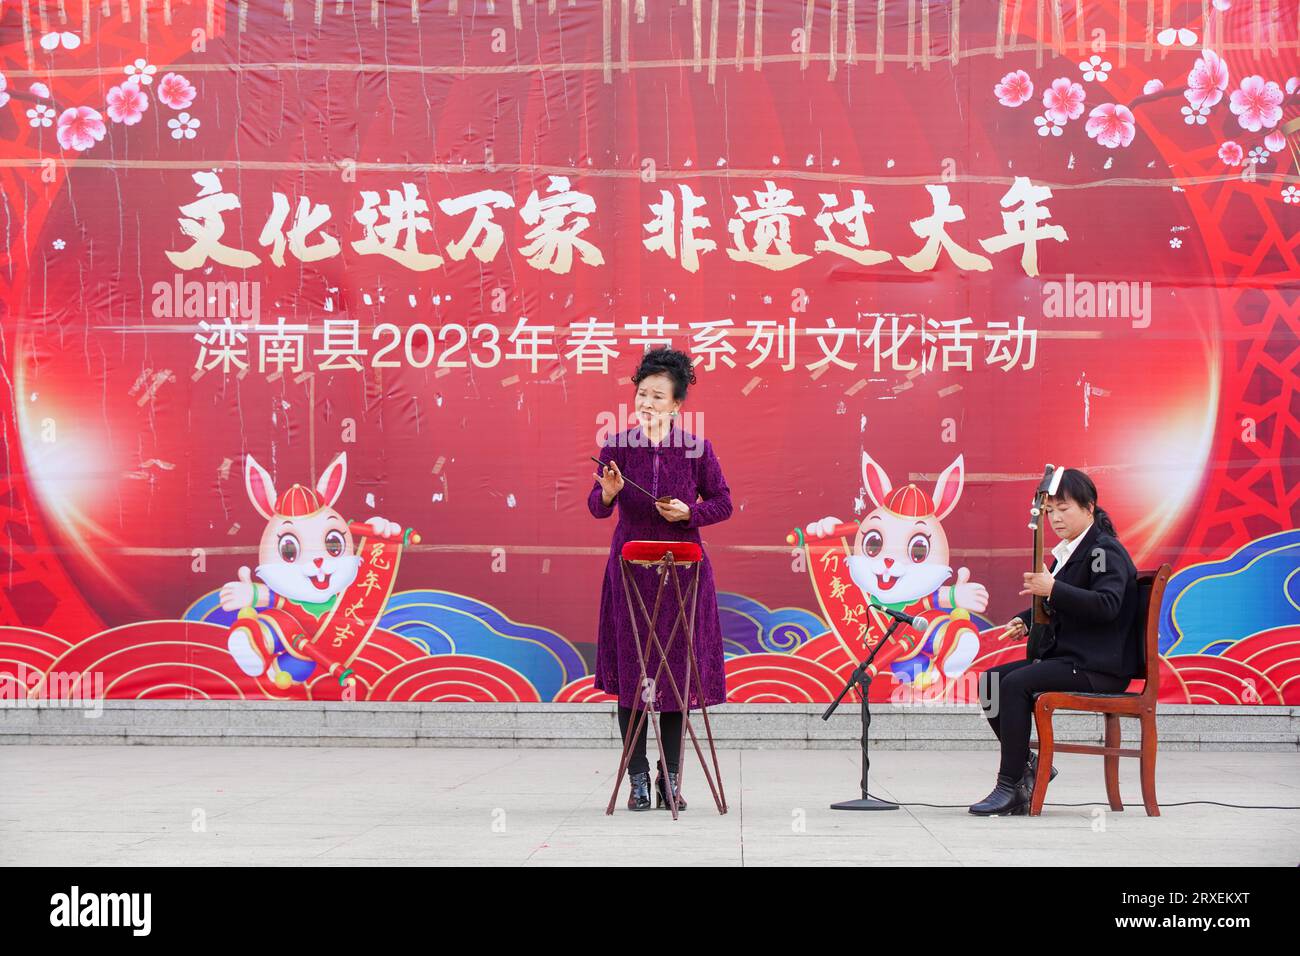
[{"x": 405, "y": 255}]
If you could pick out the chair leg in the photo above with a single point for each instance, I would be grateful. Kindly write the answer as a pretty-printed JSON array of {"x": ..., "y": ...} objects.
[
  {"x": 1113, "y": 738},
  {"x": 1148, "y": 761},
  {"x": 1043, "y": 722}
]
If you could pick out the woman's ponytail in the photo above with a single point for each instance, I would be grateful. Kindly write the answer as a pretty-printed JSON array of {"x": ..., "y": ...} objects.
[{"x": 1103, "y": 521}]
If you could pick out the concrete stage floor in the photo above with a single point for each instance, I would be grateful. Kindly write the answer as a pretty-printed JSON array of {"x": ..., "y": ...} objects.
[{"x": 196, "y": 805}]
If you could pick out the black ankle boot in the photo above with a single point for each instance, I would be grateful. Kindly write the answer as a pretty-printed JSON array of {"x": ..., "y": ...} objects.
[
  {"x": 1031, "y": 771},
  {"x": 638, "y": 797},
  {"x": 661, "y": 794},
  {"x": 1008, "y": 798}
]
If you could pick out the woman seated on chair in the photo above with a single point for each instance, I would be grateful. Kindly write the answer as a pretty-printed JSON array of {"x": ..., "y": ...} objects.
[
  {"x": 683, "y": 474},
  {"x": 1091, "y": 598}
]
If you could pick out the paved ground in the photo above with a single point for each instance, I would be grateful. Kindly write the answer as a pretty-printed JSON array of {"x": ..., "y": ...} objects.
[{"x": 140, "y": 806}]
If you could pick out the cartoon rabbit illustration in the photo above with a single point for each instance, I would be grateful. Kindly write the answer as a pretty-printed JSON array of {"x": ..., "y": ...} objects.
[
  {"x": 900, "y": 558},
  {"x": 306, "y": 559}
]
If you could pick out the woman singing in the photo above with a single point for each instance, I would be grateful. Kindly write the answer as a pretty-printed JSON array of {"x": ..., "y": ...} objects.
[
  {"x": 1091, "y": 599},
  {"x": 665, "y": 461}
]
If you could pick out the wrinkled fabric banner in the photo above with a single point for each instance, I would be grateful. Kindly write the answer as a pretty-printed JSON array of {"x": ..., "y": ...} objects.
[{"x": 383, "y": 271}]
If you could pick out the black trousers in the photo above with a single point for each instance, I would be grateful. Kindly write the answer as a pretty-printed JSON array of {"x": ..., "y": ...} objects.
[
  {"x": 1007, "y": 697},
  {"x": 670, "y": 726}
]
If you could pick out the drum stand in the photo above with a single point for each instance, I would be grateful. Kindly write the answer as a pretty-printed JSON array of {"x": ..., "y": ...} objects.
[{"x": 650, "y": 648}]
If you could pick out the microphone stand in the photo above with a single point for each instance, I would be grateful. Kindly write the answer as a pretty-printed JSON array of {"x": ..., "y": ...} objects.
[{"x": 862, "y": 680}]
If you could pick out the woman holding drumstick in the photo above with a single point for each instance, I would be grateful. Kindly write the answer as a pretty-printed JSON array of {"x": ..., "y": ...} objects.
[{"x": 681, "y": 490}]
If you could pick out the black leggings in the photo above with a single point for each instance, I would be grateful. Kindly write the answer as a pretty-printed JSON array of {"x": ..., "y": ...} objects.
[
  {"x": 670, "y": 727},
  {"x": 1007, "y": 697}
]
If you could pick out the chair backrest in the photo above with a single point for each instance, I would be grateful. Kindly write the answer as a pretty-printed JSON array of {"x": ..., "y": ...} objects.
[{"x": 1151, "y": 594}]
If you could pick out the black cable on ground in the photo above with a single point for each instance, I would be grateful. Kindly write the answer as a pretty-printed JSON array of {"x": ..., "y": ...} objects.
[{"x": 1095, "y": 803}]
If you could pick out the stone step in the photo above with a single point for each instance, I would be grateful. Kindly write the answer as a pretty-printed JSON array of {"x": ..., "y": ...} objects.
[{"x": 751, "y": 726}]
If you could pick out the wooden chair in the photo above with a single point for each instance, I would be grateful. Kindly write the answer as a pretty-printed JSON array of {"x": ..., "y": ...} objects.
[{"x": 1142, "y": 705}]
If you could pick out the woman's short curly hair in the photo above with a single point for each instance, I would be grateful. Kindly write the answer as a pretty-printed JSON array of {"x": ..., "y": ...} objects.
[{"x": 665, "y": 361}]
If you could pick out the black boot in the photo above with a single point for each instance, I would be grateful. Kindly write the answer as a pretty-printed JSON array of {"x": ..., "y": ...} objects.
[
  {"x": 1031, "y": 771},
  {"x": 638, "y": 797},
  {"x": 1007, "y": 799},
  {"x": 661, "y": 794}
]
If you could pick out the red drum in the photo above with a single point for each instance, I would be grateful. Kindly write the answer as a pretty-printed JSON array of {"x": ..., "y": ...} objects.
[{"x": 652, "y": 552}]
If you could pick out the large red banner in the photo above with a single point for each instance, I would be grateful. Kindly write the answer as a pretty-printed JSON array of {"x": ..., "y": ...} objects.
[{"x": 390, "y": 265}]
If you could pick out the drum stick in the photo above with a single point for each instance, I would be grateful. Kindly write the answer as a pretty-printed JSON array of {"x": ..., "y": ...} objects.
[{"x": 629, "y": 480}]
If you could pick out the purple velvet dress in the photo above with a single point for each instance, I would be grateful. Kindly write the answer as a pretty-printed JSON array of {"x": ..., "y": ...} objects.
[{"x": 687, "y": 469}]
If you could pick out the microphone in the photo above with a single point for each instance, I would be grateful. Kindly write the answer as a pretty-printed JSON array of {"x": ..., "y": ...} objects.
[{"x": 916, "y": 622}]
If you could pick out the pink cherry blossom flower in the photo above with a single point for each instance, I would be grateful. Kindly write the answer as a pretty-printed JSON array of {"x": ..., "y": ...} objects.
[
  {"x": 4, "y": 96},
  {"x": 1231, "y": 153},
  {"x": 1152, "y": 86},
  {"x": 80, "y": 128},
  {"x": 1111, "y": 125},
  {"x": 1207, "y": 81},
  {"x": 1063, "y": 100},
  {"x": 1258, "y": 103},
  {"x": 176, "y": 91},
  {"x": 1275, "y": 141},
  {"x": 1016, "y": 88},
  {"x": 127, "y": 103}
]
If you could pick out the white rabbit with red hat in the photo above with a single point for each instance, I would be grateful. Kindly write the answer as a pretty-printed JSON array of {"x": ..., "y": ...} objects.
[
  {"x": 306, "y": 559},
  {"x": 900, "y": 559}
]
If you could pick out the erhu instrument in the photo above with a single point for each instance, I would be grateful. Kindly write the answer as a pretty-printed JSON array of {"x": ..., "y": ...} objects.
[{"x": 1040, "y": 637}]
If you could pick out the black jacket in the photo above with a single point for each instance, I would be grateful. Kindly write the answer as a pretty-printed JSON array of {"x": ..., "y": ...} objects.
[{"x": 1093, "y": 608}]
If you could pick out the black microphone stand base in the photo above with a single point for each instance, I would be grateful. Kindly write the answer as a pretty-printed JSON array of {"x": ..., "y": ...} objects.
[
  {"x": 867, "y": 803},
  {"x": 861, "y": 679}
]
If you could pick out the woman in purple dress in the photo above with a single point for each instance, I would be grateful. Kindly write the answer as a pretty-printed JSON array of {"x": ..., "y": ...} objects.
[{"x": 667, "y": 462}]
